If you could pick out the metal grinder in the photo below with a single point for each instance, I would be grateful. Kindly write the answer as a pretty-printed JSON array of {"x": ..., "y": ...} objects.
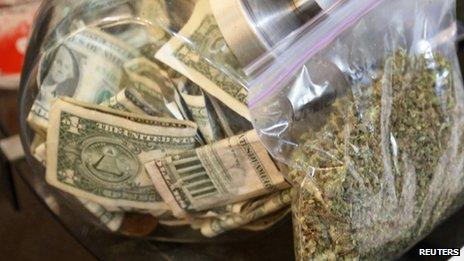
[{"x": 252, "y": 27}]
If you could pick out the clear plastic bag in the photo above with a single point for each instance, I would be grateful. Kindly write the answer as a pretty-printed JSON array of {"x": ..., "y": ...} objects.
[{"x": 365, "y": 107}]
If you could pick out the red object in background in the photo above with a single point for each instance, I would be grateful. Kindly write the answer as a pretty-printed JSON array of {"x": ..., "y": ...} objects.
[
  {"x": 12, "y": 47},
  {"x": 15, "y": 27}
]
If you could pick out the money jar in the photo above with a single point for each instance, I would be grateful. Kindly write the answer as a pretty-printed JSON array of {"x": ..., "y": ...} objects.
[{"x": 134, "y": 121}]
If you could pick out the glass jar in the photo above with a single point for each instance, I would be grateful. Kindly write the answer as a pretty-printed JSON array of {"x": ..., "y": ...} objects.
[{"x": 83, "y": 50}]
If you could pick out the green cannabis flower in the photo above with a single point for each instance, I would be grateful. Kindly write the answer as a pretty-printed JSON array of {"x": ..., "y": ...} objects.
[{"x": 384, "y": 167}]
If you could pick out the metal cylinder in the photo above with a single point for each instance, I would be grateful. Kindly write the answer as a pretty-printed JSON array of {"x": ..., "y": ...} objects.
[
  {"x": 306, "y": 9},
  {"x": 252, "y": 27}
]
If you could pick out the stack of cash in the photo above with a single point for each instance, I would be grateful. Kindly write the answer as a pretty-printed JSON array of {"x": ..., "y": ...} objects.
[{"x": 132, "y": 118}]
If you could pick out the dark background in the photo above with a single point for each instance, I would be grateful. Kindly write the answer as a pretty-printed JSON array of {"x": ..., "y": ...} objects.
[
  {"x": 32, "y": 232},
  {"x": 29, "y": 231}
]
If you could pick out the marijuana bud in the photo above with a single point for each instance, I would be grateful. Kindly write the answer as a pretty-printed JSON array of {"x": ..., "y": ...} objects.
[{"x": 386, "y": 165}]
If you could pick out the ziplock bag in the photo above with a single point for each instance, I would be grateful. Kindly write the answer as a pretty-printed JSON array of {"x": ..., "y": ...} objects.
[{"x": 365, "y": 107}]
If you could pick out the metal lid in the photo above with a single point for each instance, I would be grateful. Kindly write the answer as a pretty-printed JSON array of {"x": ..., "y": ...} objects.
[{"x": 252, "y": 27}]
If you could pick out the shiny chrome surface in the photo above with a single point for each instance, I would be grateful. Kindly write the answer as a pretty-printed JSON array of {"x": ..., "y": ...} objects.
[
  {"x": 306, "y": 9},
  {"x": 251, "y": 27},
  {"x": 238, "y": 30}
]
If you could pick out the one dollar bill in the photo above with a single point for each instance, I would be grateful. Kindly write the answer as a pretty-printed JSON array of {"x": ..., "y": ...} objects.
[
  {"x": 140, "y": 100},
  {"x": 112, "y": 220},
  {"x": 144, "y": 72},
  {"x": 200, "y": 57},
  {"x": 228, "y": 171},
  {"x": 86, "y": 66},
  {"x": 199, "y": 110},
  {"x": 98, "y": 154},
  {"x": 274, "y": 203}
]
